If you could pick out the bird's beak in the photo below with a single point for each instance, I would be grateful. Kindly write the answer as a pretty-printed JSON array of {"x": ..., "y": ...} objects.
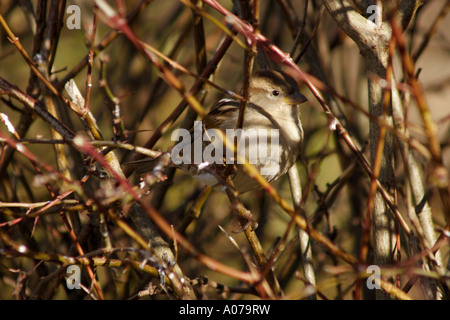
[{"x": 295, "y": 98}]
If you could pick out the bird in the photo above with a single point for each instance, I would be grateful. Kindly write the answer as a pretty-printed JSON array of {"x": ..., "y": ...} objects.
[{"x": 271, "y": 118}]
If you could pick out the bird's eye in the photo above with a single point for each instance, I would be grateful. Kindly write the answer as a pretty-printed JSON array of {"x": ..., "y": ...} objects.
[{"x": 276, "y": 92}]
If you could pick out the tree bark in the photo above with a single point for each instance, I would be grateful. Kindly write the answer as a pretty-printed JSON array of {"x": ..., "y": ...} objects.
[{"x": 373, "y": 37}]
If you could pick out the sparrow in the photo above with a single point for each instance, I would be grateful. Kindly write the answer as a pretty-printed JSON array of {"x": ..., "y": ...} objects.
[{"x": 270, "y": 137}]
